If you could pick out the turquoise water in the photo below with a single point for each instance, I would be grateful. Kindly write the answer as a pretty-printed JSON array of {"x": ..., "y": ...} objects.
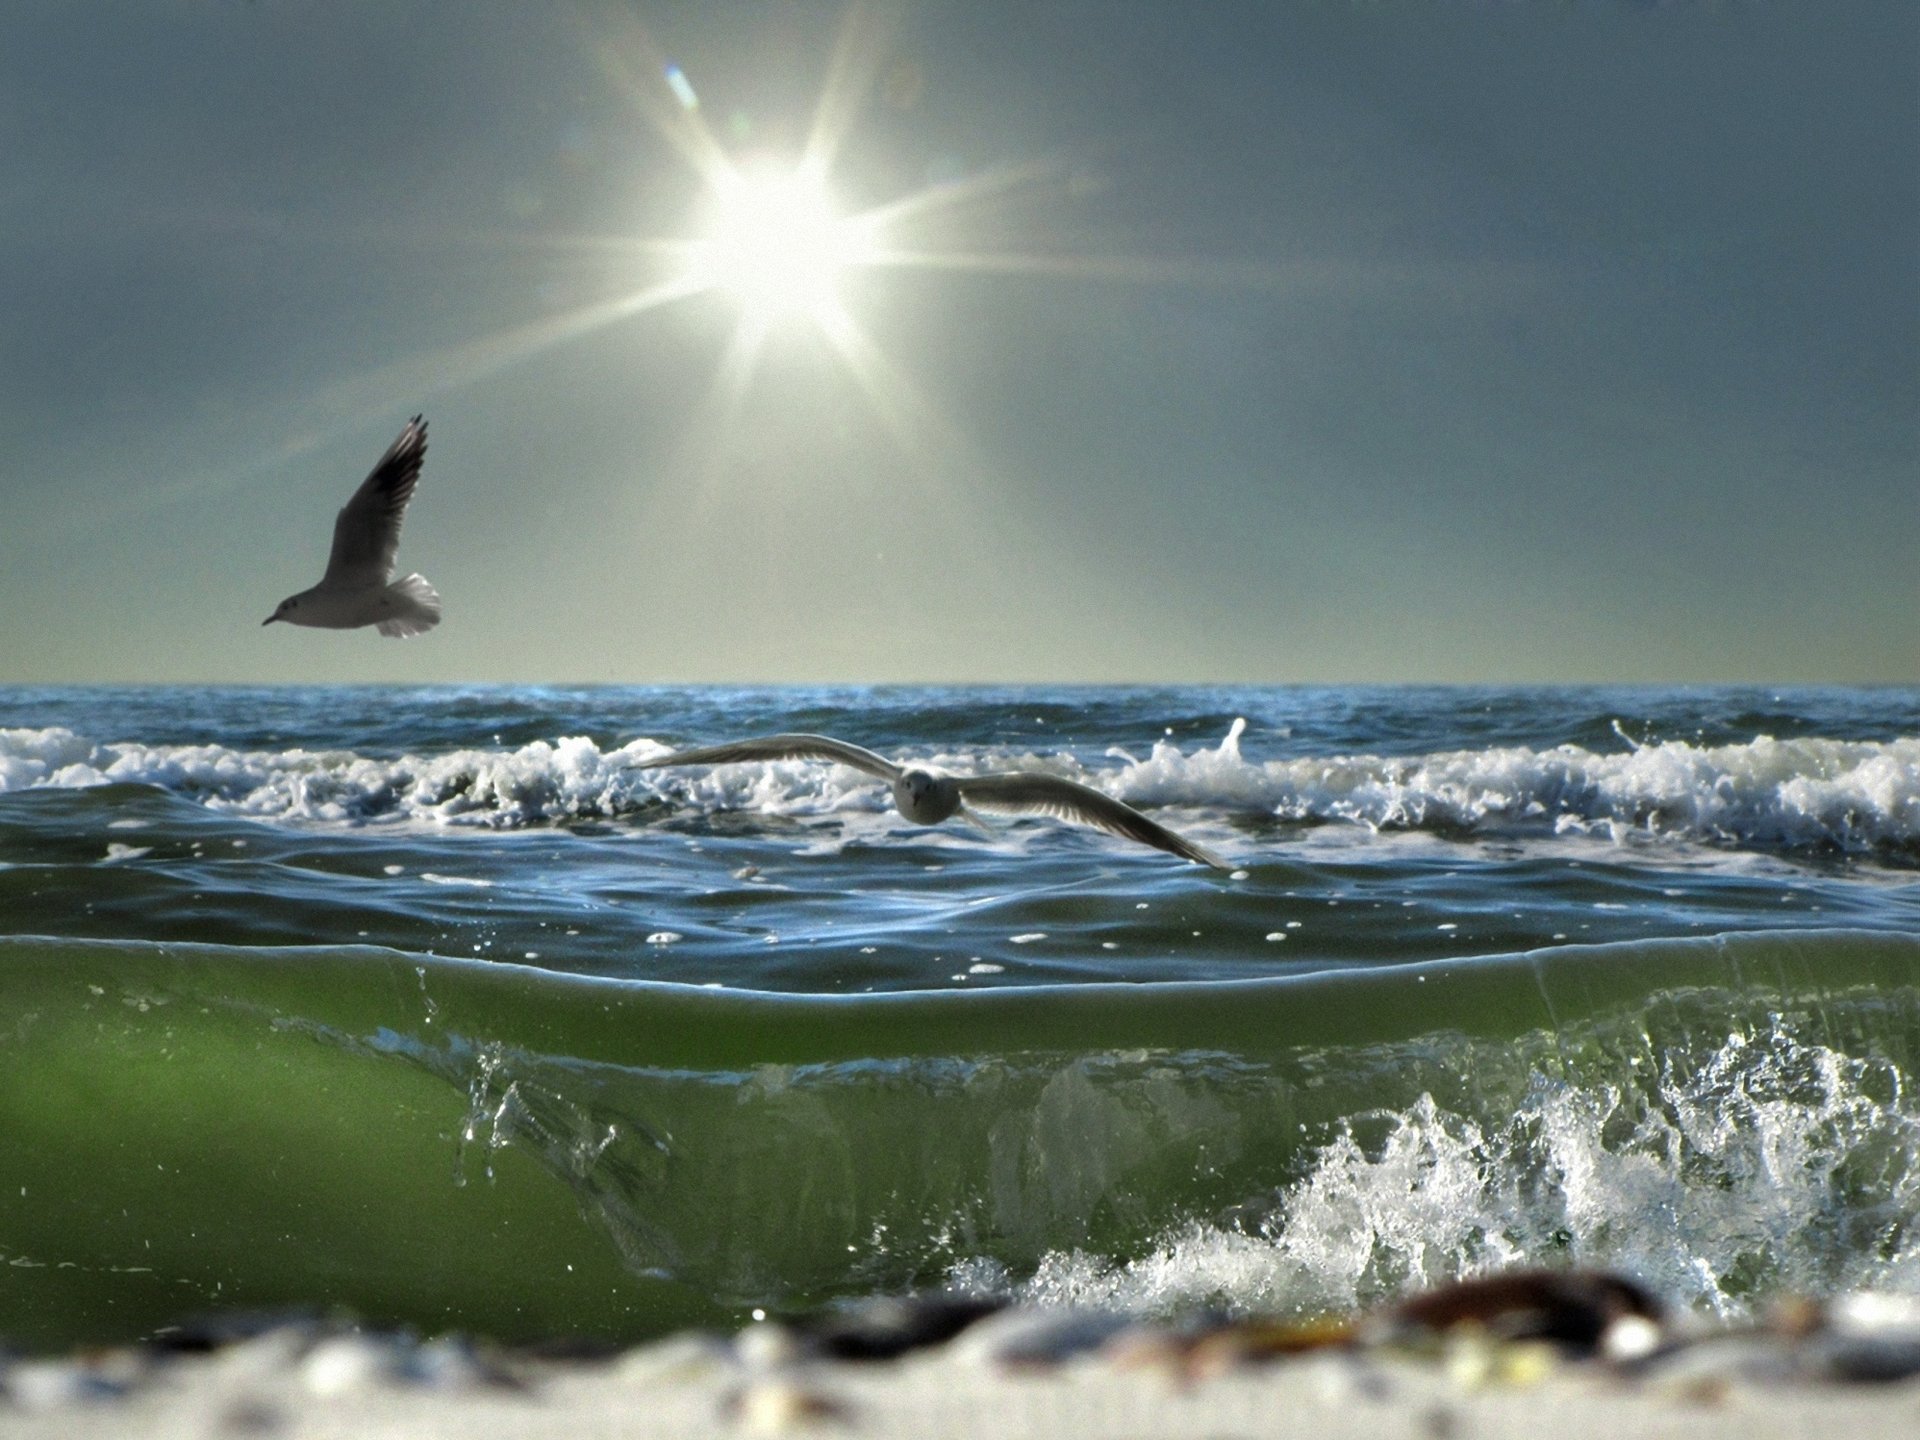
[{"x": 428, "y": 1004}]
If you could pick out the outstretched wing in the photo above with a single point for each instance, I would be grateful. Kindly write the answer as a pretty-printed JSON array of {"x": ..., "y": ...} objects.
[
  {"x": 782, "y": 747},
  {"x": 1033, "y": 794},
  {"x": 366, "y": 533}
]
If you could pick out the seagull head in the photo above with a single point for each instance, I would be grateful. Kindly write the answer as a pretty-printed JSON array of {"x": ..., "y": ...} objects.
[
  {"x": 926, "y": 798},
  {"x": 284, "y": 610}
]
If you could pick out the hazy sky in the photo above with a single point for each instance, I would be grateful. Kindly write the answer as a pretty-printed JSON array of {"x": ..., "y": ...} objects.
[{"x": 1263, "y": 341}]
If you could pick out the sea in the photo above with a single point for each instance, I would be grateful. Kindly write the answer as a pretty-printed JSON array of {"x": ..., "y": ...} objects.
[{"x": 427, "y": 1005}]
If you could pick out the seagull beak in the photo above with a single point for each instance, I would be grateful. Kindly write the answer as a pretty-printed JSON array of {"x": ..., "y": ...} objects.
[{"x": 270, "y": 619}]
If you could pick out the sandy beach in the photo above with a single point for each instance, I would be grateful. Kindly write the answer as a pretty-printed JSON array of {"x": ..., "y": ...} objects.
[
  {"x": 931, "y": 1398},
  {"x": 1059, "y": 1375}
]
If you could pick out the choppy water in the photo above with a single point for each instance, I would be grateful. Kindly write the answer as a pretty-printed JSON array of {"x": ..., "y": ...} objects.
[{"x": 428, "y": 1003}]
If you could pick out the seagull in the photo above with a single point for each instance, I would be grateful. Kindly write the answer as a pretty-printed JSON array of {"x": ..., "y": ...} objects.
[
  {"x": 359, "y": 588},
  {"x": 926, "y": 797}
]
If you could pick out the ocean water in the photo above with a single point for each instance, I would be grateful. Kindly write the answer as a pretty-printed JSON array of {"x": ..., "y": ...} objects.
[{"x": 428, "y": 1004}]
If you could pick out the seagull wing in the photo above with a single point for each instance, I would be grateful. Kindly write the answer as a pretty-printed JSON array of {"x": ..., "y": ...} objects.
[
  {"x": 1028, "y": 793},
  {"x": 366, "y": 533},
  {"x": 782, "y": 747}
]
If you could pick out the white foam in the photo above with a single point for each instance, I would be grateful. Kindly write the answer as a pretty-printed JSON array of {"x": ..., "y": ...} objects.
[
  {"x": 1777, "y": 1166},
  {"x": 543, "y": 780},
  {"x": 1856, "y": 795}
]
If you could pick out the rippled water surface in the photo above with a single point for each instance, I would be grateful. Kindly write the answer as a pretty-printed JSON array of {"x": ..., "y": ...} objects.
[{"x": 1371, "y": 826}]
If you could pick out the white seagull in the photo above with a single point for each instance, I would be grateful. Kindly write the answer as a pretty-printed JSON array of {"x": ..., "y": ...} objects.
[
  {"x": 359, "y": 588},
  {"x": 927, "y": 797}
]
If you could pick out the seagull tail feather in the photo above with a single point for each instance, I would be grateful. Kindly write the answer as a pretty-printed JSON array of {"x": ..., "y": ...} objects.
[{"x": 418, "y": 608}]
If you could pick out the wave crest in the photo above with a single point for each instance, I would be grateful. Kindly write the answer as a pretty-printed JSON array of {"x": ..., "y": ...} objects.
[
  {"x": 1850, "y": 795},
  {"x": 1854, "y": 796},
  {"x": 542, "y": 781}
]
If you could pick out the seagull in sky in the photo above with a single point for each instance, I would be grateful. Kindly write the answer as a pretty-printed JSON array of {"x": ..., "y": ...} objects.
[
  {"x": 927, "y": 797},
  {"x": 359, "y": 588}
]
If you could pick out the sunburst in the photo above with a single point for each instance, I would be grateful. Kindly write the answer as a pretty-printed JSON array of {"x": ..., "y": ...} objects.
[{"x": 769, "y": 236}]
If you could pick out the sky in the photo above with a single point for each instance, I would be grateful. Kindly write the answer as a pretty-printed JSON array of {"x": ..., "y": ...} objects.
[{"x": 989, "y": 340}]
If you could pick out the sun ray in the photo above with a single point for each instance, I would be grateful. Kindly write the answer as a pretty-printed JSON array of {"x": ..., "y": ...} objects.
[
  {"x": 956, "y": 193},
  {"x": 922, "y": 433},
  {"x": 347, "y": 403},
  {"x": 866, "y": 30},
  {"x": 1251, "y": 275},
  {"x": 624, "y": 49},
  {"x": 710, "y": 433}
]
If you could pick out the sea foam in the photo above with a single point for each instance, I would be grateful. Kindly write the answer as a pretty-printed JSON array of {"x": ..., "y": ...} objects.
[
  {"x": 1854, "y": 796},
  {"x": 1776, "y": 1166}
]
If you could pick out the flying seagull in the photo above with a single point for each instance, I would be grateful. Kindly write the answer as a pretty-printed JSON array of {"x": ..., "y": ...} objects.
[
  {"x": 927, "y": 797},
  {"x": 359, "y": 588}
]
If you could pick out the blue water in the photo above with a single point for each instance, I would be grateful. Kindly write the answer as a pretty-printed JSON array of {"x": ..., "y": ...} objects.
[
  {"x": 343, "y": 995},
  {"x": 1372, "y": 826}
]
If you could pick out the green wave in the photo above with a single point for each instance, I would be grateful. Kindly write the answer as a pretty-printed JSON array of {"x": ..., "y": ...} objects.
[{"x": 524, "y": 1153}]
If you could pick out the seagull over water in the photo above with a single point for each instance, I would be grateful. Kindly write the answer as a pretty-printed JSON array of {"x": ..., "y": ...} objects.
[
  {"x": 927, "y": 797},
  {"x": 359, "y": 588}
]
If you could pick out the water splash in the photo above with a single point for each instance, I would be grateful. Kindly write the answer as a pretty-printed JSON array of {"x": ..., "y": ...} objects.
[{"x": 1774, "y": 1166}]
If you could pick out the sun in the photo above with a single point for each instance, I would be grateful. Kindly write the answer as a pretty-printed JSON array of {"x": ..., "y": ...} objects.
[{"x": 775, "y": 241}]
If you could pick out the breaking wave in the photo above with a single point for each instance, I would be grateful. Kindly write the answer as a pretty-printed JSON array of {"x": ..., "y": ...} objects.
[
  {"x": 1798, "y": 793},
  {"x": 495, "y": 1147}
]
